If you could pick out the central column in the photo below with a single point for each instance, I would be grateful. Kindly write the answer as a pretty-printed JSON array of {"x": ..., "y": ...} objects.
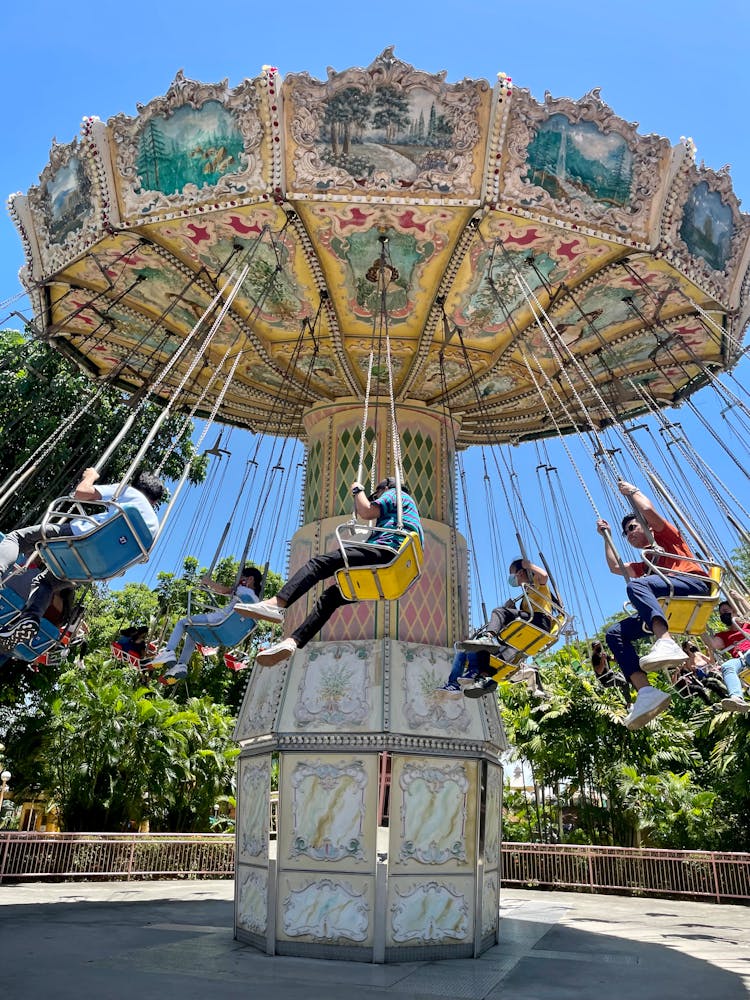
[
  {"x": 389, "y": 791},
  {"x": 435, "y": 610}
]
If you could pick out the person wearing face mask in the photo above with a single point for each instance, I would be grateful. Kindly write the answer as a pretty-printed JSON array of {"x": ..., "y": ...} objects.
[
  {"x": 735, "y": 638},
  {"x": 644, "y": 588},
  {"x": 534, "y": 607},
  {"x": 382, "y": 508}
]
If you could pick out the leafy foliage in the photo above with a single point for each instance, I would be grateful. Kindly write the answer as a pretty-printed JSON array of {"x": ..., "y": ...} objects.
[
  {"x": 113, "y": 751},
  {"x": 682, "y": 782},
  {"x": 29, "y": 417}
]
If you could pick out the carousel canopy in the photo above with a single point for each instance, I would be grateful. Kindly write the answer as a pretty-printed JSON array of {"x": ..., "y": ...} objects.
[{"x": 547, "y": 265}]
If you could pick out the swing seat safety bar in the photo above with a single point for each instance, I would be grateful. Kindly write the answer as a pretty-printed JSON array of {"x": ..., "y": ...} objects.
[
  {"x": 104, "y": 550},
  {"x": 528, "y": 638},
  {"x": 384, "y": 581},
  {"x": 688, "y": 615},
  {"x": 46, "y": 638},
  {"x": 132, "y": 659}
]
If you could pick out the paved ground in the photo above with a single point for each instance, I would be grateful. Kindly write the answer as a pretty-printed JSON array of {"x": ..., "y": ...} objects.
[{"x": 170, "y": 940}]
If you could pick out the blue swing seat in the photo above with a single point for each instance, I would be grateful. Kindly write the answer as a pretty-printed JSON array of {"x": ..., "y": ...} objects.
[
  {"x": 46, "y": 638},
  {"x": 103, "y": 551},
  {"x": 229, "y": 632}
]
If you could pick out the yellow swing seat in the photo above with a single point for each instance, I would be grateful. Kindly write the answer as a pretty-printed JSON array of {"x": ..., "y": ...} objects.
[
  {"x": 528, "y": 638},
  {"x": 384, "y": 581},
  {"x": 689, "y": 615},
  {"x": 502, "y": 670}
]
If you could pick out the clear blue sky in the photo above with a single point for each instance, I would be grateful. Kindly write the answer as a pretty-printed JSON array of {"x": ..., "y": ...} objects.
[{"x": 678, "y": 69}]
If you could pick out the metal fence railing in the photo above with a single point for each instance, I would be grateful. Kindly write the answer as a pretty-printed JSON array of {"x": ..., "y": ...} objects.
[
  {"x": 115, "y": 855},
  {"x": 720, "y": 877}
]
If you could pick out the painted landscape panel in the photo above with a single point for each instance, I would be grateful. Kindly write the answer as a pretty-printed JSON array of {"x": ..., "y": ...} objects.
[
  {"x": 707, "y": 226},
  {"x": 579, "y": 161},
  {"x": 193, "y": 146},
  {"x": 390, "y": 130}
]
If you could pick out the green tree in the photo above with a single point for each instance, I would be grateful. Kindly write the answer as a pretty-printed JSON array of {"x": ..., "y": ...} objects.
[
  {"x": 41, "y": 388},
  {"x": 346, "y": 112},
  {"x": 110, "y": 751},
  {"x": 575, "y": 742},
  {"x": 391, "y": 111},
  {"x": 150, "y": 152}
]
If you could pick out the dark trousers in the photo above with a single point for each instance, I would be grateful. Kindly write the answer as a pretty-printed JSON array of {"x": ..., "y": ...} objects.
[
  {"x": 321, "y": 568},
  {"x": 22, "y": 542},
  {"x": 501, "y": 617},
  {"x": 643, "y": 593}
]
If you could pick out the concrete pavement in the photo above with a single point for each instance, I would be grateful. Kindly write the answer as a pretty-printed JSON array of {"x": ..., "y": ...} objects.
[{"x": 165, "y": 940}]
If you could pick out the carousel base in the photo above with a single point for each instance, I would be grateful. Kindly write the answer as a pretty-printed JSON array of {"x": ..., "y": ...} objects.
[{"x": 385, "y": 842}]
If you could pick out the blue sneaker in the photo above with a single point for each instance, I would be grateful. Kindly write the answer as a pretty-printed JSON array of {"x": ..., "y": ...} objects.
[
  {"x": 449, "y": 689},
  {"x": 22, "y": 629},
  {"x": 176, "y": 673}
]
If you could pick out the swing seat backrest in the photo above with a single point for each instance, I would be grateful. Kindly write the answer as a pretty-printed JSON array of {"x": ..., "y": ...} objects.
[
  {"x": 103, "y": 551},
  {"x": 46, "y": 638},
  {"x": 229, "y": 632},
  {"x": 384, "y": 581},
  {"x": 689, "y": 615}
]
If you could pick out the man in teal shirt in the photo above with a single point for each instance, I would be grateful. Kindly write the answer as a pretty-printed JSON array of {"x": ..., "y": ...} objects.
[{"x": 381, "y": 507}]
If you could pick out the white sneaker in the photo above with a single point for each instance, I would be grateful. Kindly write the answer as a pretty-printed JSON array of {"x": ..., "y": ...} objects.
[
  {"x": 275, "y": 654},
  {"x": 665, "y": 651},
  {"x": 485, "y": 641},
  {"x": 263, "y": 611},
  {"x": 736, "y": 703},
  {"x": 649, "y": 703},
  {"x": 165, "y": 655}
]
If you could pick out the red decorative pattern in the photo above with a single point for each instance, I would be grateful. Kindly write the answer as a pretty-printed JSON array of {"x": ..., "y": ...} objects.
[{"x": 423, "y": 611}]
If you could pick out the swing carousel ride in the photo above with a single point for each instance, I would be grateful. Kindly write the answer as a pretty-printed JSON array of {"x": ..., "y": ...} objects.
[
  {"x": 537, "y": 269},
  {"x": 533, "y": 245},
  {"x": 478, "y": 267}
]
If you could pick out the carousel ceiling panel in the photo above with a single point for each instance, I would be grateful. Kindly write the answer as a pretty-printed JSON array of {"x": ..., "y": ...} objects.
[
  {"x": 280, "y": 290},
  {"x": 511, "y": 265},
  {"x": 418, "y": 245},
  {"x": 196, "y": 138},
  {"x": 549, "y": 264},
  {"x": 576, "y": 162}
]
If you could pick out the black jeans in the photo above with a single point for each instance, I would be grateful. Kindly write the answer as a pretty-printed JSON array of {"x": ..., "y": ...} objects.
[
  {"x": 501, "y": 617},
  {"x": 321, "y": 568},
  {"x": 22, "y": 542}
]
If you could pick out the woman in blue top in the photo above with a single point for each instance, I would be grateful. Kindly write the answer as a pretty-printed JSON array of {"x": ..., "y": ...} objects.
[
  {"x": 145, "y": 496},
  {"x": 380, "y": 507}
]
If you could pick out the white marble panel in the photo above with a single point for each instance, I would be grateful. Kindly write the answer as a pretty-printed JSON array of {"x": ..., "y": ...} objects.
[
  {"x": 335, "y": 686},
  {"x": 254, "y": 789},
  {"x": 259, "y": 707},
  {"x": 435, "y": 822},
  {"x": 328, "y": 810},
  {"x": 335, "y": 911},
  {"x": 417, "y": 703},
  {"x": 435, "y": 911},
  {"x": 493, "y": 808},
  {"x": 252, "y": 899},
  {"x": 490, "y": 903}
]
